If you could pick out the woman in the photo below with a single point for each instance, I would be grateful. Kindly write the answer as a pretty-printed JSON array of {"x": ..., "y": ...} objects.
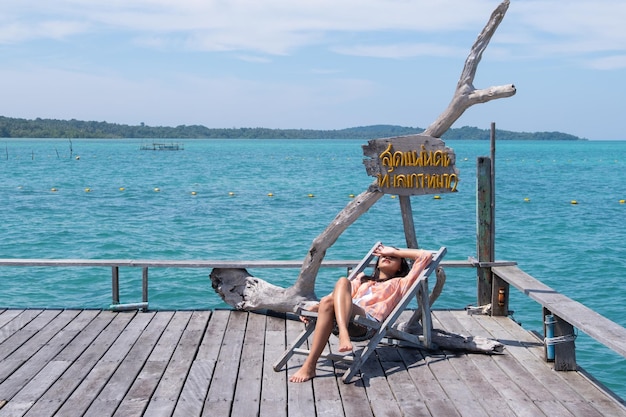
[{"x": 372, "y": 296}]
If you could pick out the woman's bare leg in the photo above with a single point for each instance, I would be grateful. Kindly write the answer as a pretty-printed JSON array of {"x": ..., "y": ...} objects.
[
  {"x": 335, "y": 307},
  {"x": 343, "y": 312},
  {"x": 323, "y": 329}
]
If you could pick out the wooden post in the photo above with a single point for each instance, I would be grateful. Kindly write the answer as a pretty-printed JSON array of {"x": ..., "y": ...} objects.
[
  {"x": 484, "y": 237},
  {"x": 115, "y": 284},
  {"x": 499, "y": 296},
  {"x": 492, "y": 194},
  {"x": 564, "y": 348},
  {"x": 499, "y": 287},
  {"x": 564, "y": 352},
  {"x": 144, "y": 288},
  {"x": 422, "y": 294},
  {"x": 407, "y": 220}
]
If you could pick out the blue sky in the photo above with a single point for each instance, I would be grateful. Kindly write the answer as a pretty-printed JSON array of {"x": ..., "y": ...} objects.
[{"x": 316, "y": 64}]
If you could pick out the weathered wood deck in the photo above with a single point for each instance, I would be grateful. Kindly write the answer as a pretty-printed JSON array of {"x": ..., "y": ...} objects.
[{"x": 219, "y": 363}]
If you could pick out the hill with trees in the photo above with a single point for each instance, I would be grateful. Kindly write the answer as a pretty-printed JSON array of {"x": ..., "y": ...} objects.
[{"x": 71, "y": 129}]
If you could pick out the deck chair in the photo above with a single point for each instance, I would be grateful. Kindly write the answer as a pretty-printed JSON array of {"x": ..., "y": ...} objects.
[{"x": 419, "y": 289}]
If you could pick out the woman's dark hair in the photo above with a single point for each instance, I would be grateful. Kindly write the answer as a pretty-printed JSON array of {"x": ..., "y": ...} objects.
[{"x": 402, "y": 272}]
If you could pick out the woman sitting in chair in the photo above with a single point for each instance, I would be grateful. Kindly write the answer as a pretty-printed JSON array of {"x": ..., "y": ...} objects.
[{"x": 372, "y": 296}]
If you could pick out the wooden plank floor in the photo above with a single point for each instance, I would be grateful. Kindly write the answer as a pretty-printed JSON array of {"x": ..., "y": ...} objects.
[{"x": 219, "y": 363}]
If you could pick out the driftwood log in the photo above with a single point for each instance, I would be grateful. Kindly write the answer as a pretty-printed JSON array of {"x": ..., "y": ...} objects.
[
  {"x": 454, "y": 341},
  {"x": 243, "y": 291}
]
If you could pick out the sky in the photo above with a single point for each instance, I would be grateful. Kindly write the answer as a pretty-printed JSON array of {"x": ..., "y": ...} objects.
[{"x": 313, "y": 64}]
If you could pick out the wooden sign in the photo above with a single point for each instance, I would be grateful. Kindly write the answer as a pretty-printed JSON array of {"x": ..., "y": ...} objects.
[{"x": 411, "y": 165}]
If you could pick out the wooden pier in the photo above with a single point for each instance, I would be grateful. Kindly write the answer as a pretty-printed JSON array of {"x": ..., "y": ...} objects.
[{"x": 219, "y": 363}]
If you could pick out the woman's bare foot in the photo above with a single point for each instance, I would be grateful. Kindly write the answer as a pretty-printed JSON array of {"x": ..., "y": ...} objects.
[
  {"x": 302, "y": 375},
  {"x": 345, "y": 344}
]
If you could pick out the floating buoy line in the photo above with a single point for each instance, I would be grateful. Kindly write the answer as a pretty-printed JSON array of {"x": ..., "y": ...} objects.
[{"x": 572, "y": 202}]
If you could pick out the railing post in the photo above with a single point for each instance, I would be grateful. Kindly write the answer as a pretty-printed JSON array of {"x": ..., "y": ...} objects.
[
  {"x": 484, "y": 237},
  {"x": 499, "y": 296},
  {"x": 144, "y": 287},
  {"x": 115, "y": 284},
  {"x": 563, "y": 343}
]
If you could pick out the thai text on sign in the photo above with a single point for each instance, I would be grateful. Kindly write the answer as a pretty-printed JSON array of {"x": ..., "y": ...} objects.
[{"x": 411, "y": 165}]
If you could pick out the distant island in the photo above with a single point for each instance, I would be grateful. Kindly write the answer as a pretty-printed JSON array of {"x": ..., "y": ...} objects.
[{"x": 73, "y": 129}]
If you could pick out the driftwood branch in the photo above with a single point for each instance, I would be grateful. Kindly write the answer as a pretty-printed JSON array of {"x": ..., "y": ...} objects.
[
  {"x": 239, "y": 289},
  {"x": 466, "y": 95},
  {"x": 312, "y": 262},
  {"x": 453, "y": 341}
]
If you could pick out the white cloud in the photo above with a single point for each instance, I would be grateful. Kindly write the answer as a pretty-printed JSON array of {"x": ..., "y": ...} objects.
[
  {"x": 279, "y": 27},
  {"x": 402, "y": 50},
  {"x": 12, "y": 32},
  {"x": 554, "y": 28},
  {"x": 609, "y": 63},
  {"x": 254, "y": 58},
  {"x": 269, "y": 26}
]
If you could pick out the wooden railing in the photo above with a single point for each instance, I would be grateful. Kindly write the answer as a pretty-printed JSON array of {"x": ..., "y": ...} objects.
[
  {"x": 567, "y": 312},
  {"x": 115, "y": 265}
]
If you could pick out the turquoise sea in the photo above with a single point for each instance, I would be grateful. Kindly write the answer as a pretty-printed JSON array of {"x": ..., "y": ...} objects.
[{"x": 107, "y": 199}]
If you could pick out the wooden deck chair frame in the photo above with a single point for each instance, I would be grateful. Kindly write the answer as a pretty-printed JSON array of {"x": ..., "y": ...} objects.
[{"x": 419, "y": 289}]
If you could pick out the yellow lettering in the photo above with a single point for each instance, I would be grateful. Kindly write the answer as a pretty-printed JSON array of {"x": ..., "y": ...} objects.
[
  {"x": 447, "y": 159},
  {"x": 399, "y": 181},
  {"x": 438, "y": 158},
  {"x": 383, "y": 181},
  {"x": 397, "y": 160},
  {"x": 390, "y": 177},
  {"x": 455, "y": 181},
  {"x": 427, "y": 158},
  {"x": 386, "y": 158}
]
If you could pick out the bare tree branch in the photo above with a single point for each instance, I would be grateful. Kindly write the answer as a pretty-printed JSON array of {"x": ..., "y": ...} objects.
[
  {"x": 313, "y": 260},
  {"x": 466, "y": 95},
  {"x": 241, "y": 290}
]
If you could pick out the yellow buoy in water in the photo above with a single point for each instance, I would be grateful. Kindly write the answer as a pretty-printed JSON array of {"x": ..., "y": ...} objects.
[
  {"x": 574, "y": 202},
  {"x": 437, "y": 197},
  {"x": 193, "y": 193},
  {"x": 270, "y": 194},
  {"x": 157, "y": 189},
  {"x": 122, "y": 188},
  {"x": 54, "y": 190},
  {"x": 231, "y": 194},
  {"x": 622, "y": 201},
  {"x": 87, "y": 190},
  {"x": 351, "y": 195},
  {"x": 311, "y": 196},
  {"x": 527, "y": 199},
  {"x": 393, "y": 196}
]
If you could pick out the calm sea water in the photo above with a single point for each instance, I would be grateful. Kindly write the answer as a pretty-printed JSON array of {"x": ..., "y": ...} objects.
[{"x": 210, "y": 201}]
